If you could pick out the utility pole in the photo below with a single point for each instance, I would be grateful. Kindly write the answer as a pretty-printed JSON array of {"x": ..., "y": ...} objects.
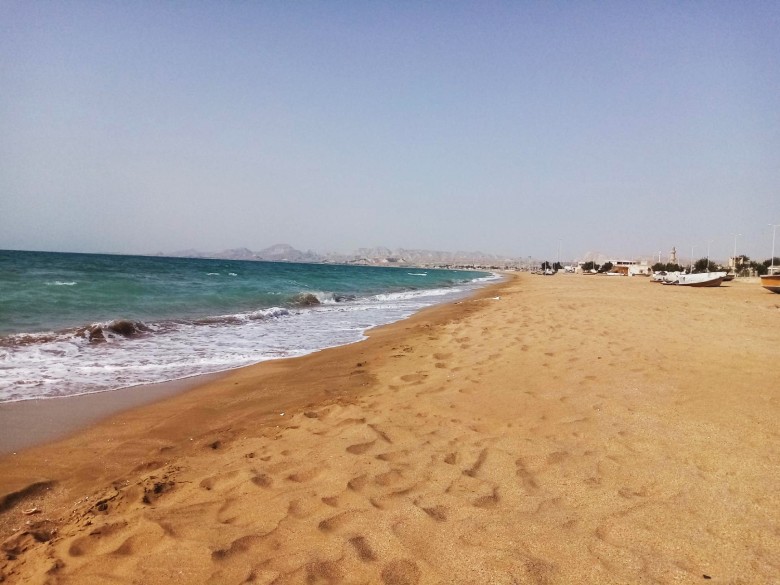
[
  {"x": 774, "y": 231},
  {"x": 735, "y": 250}
]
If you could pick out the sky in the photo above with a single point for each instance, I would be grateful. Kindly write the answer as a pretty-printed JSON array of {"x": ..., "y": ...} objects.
[{"x": 513, "y": 128}]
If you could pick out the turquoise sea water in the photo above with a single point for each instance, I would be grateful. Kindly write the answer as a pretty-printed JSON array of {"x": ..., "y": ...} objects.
[{"x": 76, "y": 323}]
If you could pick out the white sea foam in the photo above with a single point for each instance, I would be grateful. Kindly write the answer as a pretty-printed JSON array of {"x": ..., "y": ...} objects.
[
  {"x": 417, "y": 294},
  {"x": 61, "y": 283},
  {"x": 489, "y": 278},
  {"x": 66, "y": 364}
]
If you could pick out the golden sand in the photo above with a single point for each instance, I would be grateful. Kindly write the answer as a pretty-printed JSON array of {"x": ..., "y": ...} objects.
[{"x": 572, "y": 430}]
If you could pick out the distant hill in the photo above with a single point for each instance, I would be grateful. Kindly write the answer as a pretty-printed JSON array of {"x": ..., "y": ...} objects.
[
  {"x": 286, "y": 253},
  {"x": 238, "y": 254},
  {"x": 372, "y": 256}
]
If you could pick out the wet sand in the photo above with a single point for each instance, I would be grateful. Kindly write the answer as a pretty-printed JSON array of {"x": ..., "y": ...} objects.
[
  {"x": 26, "y": 423},
  {"x": 562, "y": 429}
]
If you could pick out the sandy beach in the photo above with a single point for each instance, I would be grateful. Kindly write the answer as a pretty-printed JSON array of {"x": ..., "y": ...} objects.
[{"x": 564, "y": 429}]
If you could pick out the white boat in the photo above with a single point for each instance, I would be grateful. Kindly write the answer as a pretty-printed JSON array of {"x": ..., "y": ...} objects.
[{"x": 701, "y": 279}]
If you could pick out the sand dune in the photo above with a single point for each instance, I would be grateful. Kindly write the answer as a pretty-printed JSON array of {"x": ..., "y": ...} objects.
[{"x": 549, "y": 430}]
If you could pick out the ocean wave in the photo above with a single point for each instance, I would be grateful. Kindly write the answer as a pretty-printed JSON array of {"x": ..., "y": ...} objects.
[
  {"x": 238, "y": 318},
  {"x": 314, "y": 297},
  {"x": 124, "y": 352},
  {"x": 416, "y": 294},
  {"x": 306, "y": 300},
  {"x": 62, "y": 283},
  {"x": 22, "y": 339},
  {"x": 490, "y": 278},
  {"x": 118, "y": 329}
]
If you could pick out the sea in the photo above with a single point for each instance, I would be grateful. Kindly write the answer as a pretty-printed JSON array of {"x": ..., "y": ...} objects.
[{"x": 82, "y": 323}]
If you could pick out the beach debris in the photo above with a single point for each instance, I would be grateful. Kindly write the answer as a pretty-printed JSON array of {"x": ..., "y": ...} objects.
[
  {"x": 31, "y": 511},
  {"x": 281, "y": 414}
]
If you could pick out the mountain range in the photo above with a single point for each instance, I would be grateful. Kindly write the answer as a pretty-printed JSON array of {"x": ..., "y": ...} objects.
[{"x": 372, "y": 256}]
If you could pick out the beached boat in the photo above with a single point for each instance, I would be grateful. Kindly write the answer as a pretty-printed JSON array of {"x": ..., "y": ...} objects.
[
  {"x": 771, "y": 282},
  {"x": 701, "y": 279},
  {"x": 668, "y": 278}
]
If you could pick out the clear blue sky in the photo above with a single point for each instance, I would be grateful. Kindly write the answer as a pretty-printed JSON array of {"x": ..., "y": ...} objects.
[{"x": 506, "y": 127}]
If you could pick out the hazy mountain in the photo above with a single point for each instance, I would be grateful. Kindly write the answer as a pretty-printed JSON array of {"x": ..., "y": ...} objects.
[
  {"x": 286, "y": 253},
  {"x": 379, "y": 255},
  {"x": 237, "y": 254}
]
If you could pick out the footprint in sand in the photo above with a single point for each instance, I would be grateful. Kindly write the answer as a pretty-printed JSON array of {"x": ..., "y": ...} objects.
[
  {"x": 557, "y": 457},
  {"x": 338, "y": 521},
  {"x": 238, "y": 546},
  {"x": 438, "y": 513},
  {"x": 390, "y": 478},
  {"x": 474, "y": 469},
  {"x": 332, "y": 501},
  {"x": 401, "y": 572},
  {"x": 102, "y": 537},
  {"x": 364, "y": 551},
  {"x": 358, "y": 483},
  {"x": 414, "y": 378},
  {"x": 360, "y": 448},
  {"x": 392, "y": 456},
  {"x": 528, "y": 478},
  {"x": 488, "y": 501},
  {"x": 305, "y": 475},
  {"x": 262, "y": 480},
  {"x": 215, "y": 480}
]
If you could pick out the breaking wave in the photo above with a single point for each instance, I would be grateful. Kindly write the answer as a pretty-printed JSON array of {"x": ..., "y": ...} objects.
[{"x": 123, "y": 352}]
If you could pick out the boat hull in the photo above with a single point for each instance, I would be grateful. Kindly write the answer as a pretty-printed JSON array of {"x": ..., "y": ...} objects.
[
  {"x": 771, "y": 282},
  {"x": 703, "y": 284},
  {"x": 702, "y": 280}
]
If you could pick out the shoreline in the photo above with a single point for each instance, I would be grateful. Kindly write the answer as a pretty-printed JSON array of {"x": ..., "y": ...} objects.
[
  {"x": 37, "y": 421},
  {"x": 135, "y": 351},
  {"x": 531, "y": 433}
]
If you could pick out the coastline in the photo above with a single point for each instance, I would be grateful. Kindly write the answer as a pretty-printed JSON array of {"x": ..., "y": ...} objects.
[
  {"x": 543, "y": 430},
  {"x": 31, "y": 422},
  {"x": 28, "y": 423}
]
